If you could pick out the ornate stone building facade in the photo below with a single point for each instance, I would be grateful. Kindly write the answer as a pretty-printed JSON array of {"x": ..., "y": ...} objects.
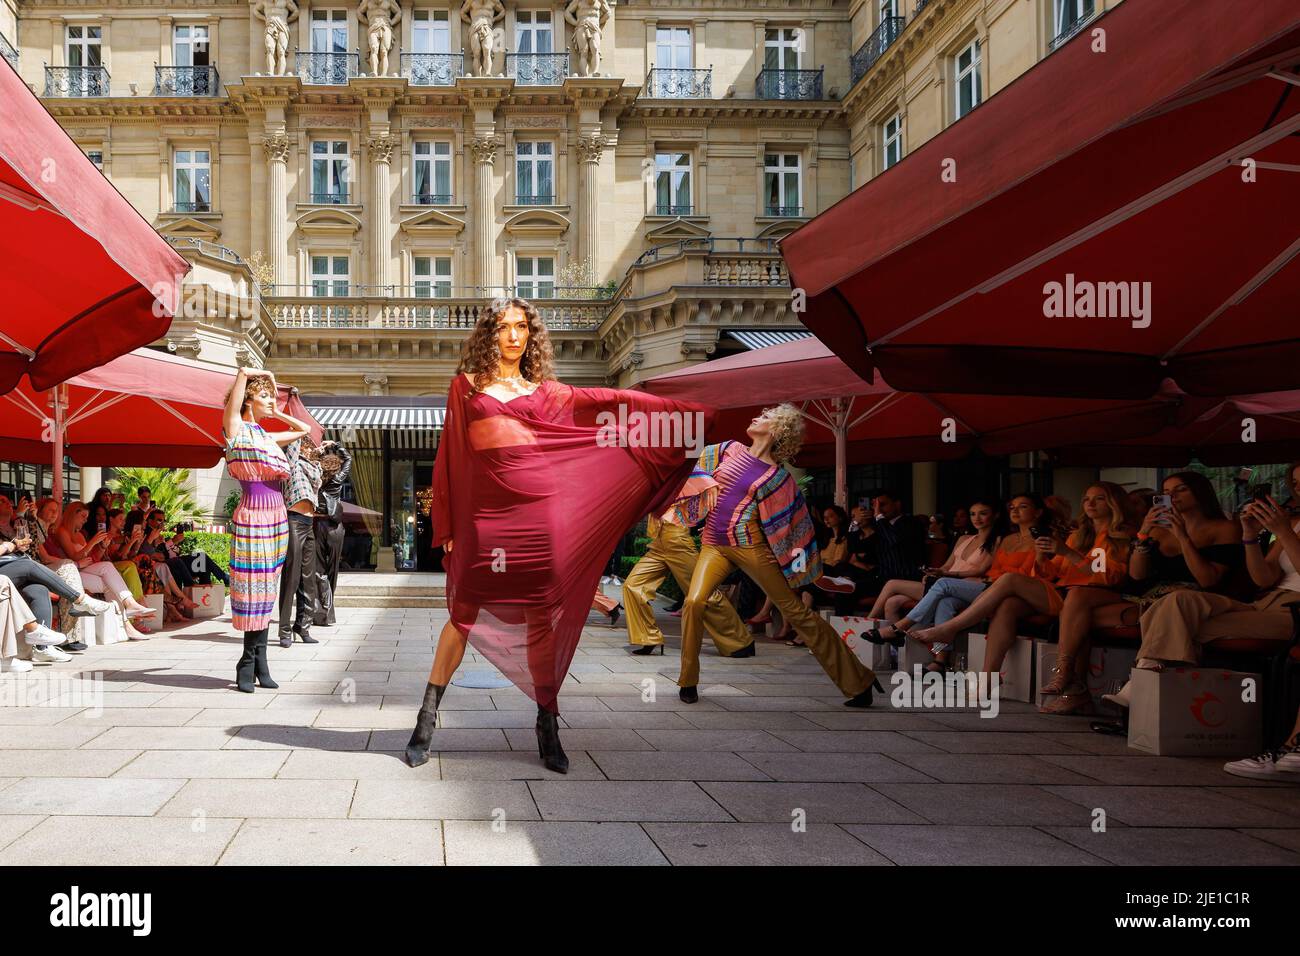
[{"x": 352, "y": 180}]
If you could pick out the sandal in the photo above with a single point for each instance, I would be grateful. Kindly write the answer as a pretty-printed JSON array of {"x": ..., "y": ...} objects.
[
  {"x": 898, "y": 639},
  {"x": 1070, "y": 701},
  {"x": 795, "y": 642}
]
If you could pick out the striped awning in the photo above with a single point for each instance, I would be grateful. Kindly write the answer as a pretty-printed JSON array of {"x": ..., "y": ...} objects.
[
  {"x": 382, "y": 417},
  {"x": 761, "y": 339}
]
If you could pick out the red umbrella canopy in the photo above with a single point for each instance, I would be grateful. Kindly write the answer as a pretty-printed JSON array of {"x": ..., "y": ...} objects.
[
  {"x": 884, "y": 425},
  {"x": 1246, "y": 429},
  {"x": 85, "y": 278},
  {"x": 144, "y": 409},
  {"x": 1109, "y": 219}
]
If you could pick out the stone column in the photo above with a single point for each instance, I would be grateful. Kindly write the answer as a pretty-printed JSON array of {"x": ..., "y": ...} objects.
[
  {"x": 590, "y": 150},
  {"x": 277, "y": 147},
  {"x": 381, "y": 157},
  {"x": 485, "y": 154}
]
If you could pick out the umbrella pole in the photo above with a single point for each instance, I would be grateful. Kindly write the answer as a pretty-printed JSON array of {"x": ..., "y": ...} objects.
[
  {"x": 56, "y": 483},
  {"x": 842, "y": 407}
]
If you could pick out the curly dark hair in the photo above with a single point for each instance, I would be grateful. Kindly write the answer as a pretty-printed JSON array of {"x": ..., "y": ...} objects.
[{"x": 480, "y": 355}]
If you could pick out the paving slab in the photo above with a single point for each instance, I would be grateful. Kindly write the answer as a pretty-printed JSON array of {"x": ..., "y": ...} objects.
[
  {"x": 120, "y": 841},
  {"x": 550, "y": 844},
  {"x": 675, "y": 765},
  {"x": 618, "y": 800},
  {"x": 760, "y": 844},
  {"x": 443, "y": 800},
  {"x": 78, "y": 796},
  {"x": 335, "y": 843},
  {"x": 1163, "y": 846},
  {"x": 262, "y": 798},
  {"x": 1175, "y": 807},
  {"x": 970, "y": 846},
  {"x": 818, "y": 803}
]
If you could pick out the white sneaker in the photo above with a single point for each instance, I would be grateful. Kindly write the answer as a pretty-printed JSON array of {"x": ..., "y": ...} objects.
[
  {"x": 44, "y": 635},
  {"x": 1267, "y": 765},
  {"x": 49, "y": 655},
  {"x": 94, "y": 605},
  {"x": 17, "y": 665}
]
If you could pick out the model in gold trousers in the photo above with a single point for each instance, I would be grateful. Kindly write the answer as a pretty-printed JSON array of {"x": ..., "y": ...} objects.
[
  {"x": 715, "y": 563},
  {"x": 672, "y": 551}
]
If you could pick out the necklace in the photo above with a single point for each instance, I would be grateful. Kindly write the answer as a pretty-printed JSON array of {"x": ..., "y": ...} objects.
[{"x": 515, "y": 383}]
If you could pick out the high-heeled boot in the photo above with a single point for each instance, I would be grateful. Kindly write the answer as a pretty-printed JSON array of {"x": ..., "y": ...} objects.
[
  {"x": 247, "y": 661},
  {"x": 417, "y": 748},
  {"x": 548, "y": 742},
  {"x": 260, "y": 666}
]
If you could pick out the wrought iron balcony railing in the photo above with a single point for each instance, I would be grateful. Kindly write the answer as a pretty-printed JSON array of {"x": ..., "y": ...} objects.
[
  {"x": 327, "y": 69},
  {"x": 8, "y": 52},
  {"x": 1067, "y": 33},
  {"x": 185, "y": 81},
  {"x": 432, "y": 69},
  {"x": 535, "y": 199},
  {"x": 201, "y": 205},
  {"x": 875, "y": 46},
  {"x": 788, "y": 85},
  {"x": 335, "y": 198},
  {"x": 679, "y": 84},
  {"x": 537, "y": 69},
  {"x": 671, "y": 209},
  {"x": 76, "y": 81},
  {"x": 793, "y": 211},
  {"x": 432, "y": 199}
]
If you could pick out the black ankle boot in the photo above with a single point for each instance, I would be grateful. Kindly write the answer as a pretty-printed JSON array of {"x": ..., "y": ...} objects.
[
  {"x": 747, "y": 651},
  {"x": 689, "y": 695},
  {"x": 305, "y": 636},
  {"x": 548, "y": 742},
  {"x": 260, "y": 667},
  {"x": 864, "y": 699},
  {"x": 247, "y": 662},
  {"x": 417, "y": 749}
]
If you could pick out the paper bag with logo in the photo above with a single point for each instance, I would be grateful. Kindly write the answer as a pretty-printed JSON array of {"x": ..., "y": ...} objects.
[
  {"x": 210, "y": 598},
  {"x": 1193, "y": 711},
  {"x": 850, "y": 630},
  {"x": 1108, "y": 669}
]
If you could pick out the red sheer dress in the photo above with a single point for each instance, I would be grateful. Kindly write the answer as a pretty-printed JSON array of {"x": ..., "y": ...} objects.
[{"x": 535, "y": 493}]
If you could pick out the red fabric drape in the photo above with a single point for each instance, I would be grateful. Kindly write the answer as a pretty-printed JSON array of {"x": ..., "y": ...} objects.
[{"x": 534, "y": 494}]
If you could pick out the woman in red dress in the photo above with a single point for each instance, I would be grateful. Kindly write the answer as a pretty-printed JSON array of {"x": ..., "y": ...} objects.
[{"x": 533, "y": 485}]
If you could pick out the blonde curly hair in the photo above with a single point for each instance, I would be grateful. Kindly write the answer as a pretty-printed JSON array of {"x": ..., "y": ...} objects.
[{"x": 787, "y": 431}]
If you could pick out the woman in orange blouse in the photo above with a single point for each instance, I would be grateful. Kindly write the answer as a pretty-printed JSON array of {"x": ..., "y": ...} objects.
[{"x": 1095, "y": 555}]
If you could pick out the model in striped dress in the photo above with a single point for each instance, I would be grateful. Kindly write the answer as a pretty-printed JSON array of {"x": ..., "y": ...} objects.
[{"x": 260, "y": 523}]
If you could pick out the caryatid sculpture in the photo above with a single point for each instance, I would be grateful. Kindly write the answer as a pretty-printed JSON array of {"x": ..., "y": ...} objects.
[
  {"x": 481, "y": 15},
  {"x": 588, "y": 19},
  {"x": 277, "y": 15},
  {"x": 379, "y": 17}
]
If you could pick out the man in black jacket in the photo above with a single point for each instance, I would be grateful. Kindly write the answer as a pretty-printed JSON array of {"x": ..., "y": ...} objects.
[{"x": 336, "y": 465}]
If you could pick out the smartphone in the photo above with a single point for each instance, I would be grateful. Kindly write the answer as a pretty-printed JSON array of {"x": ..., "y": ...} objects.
[
  {"x": 1162, "y": 501},
  {"x": 1040, "y": 531},
  {"x": 1262, "y": 491},
  {"x": 102, "y": 526}
]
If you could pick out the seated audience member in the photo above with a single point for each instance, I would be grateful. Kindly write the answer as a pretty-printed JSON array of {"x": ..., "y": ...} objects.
[
  {"x": 188, "y": 569},
  {"x": 833, "y": 542},
  {"x": 66, "y": 541},
  {"x": 862, "y": 565},
  {"x": 1095, "y": 554},
  {"x": 961, "y": 524},
  {"x": 144, "y": 500},
  {"x": 1091, "y": 605},
  {"x": 952, "y": 587},
  {"x": 1272, "y": 764},
  {"x": 1175, "y": 626},
  {"x": 1139, "y": 503},
  {"x": 17, "y": 618},
  {"x": 900, "y": 548},
  {"x": 123, "y": 549}
]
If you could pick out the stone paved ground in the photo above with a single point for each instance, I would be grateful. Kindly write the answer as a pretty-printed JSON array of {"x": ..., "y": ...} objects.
[{"x": 180, "y": 769}]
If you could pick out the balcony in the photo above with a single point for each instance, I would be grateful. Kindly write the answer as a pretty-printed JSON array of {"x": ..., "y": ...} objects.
[
  {"x": 1069, "y": 30},
  {"x": 185, "y": 81},
  {"x": 537, "y": 69},
  {"x": 788, "y": 212},
  {"x": 788, "y": 85},
  {"x": 679, "y": 84},
  {"x": 201, "y": 205},
  {"x": 432, "y": 199},
  {"x": 875, "y": 46},
  {"x": 327, "y": 69},
  {"x": 722, "y": 260},
  {"x": 333, "y": 198},
  {"x": 535, "y": 199},
  {"x": 8, "y": 52},
  {"x": 404, "y": 307},
  {"x": 76, "y": 81},
  {"x": 672, "y": 209},
  {"x": 432, "y": 69}
]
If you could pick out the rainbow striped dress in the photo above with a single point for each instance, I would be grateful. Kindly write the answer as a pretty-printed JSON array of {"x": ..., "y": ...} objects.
[{"x": 260, "y": 526}]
